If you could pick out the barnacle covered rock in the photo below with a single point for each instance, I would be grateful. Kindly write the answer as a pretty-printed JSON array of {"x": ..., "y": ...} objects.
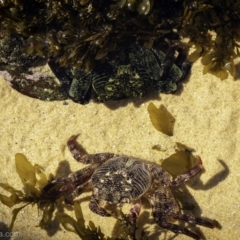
[
  {"x": 78, "y": 34},
  {"x": 11, "y": 56},
  {"x": 128, "y": 73},
  {"x": 23, "y": 72}
]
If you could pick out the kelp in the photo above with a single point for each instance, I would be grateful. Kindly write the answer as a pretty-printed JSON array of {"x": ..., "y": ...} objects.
[
  {"x": 183, "y": 159},
  {"x": 161, "y": 119},
  {"x": 78, "y": 33},
  {"x": 79, "y": 227},
  {"x": 33, "y": 180},
  {"x": 179, "y": 162},
  {"x": 128, "y": 229},
  {"x": 213, "y": 28}
]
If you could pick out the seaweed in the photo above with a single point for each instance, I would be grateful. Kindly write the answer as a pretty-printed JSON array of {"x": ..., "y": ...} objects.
[
  {"x": 128, "y": 229},
  {"x": 161, "y": 119},
  {"x": 181, "y": 161},
  {"x": 78, "y": 226},
  {"x": 33, "y": 180},
  {"x": 213, "y": 28},
  {"x": 77, "y": 33}
]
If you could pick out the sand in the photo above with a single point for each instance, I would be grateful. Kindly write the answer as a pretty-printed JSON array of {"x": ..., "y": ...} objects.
[{"x": 207, "y": 113}]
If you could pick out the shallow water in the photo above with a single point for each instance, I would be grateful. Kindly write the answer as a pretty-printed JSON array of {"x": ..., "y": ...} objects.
[{"x": 207, "y": 114}]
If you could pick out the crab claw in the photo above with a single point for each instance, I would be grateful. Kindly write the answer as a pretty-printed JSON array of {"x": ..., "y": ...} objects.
[{"x": 134, "y": 213}]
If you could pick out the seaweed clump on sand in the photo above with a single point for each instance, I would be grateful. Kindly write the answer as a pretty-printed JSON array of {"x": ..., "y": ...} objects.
[
  {"x": 34, "y": 180},
  {"x": 76, "y": 37},
  {"x": 78, "y": 34},
  {"x": 214, "y": 29}
]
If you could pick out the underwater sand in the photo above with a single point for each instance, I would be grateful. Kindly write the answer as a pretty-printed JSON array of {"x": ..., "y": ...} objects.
[{"x": 207, "y": 113}]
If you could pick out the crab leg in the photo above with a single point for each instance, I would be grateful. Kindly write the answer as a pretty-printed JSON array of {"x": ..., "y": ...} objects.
[
  {"x": 187, "y": 175},
  {"x": 196, "y": 220},
  {"x": 78, "y": 190},
  {"x": 169, "y": 58},
  {"x": 79, "y": 176},
  {"x": 70, "y": 183},
  {"x": 76, "y": 151},
  {"x": 164, "y": 206},
  {"x": 179, "y": 229},
  {"x": 94, "y": 206}
]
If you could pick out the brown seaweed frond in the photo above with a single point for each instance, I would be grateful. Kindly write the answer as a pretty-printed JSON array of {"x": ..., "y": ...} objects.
[
  {"x": 161, "y": 119},
  {"x": 77, "y": 33},
  {"x": 213, "y": 28},
  {"x": 183, "y": 159},
  {"x": 129, "y": 229},
  {"x": 33, "y": 180},
  {"x": 180, "y": 161},
  {"x": 78, "y": 225}
]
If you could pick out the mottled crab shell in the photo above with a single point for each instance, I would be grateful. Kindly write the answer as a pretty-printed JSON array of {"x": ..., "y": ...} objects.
[{"x": 121, "y": 179}]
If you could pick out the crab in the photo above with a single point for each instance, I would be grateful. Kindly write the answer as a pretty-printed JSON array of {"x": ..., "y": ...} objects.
[
  {"x": 117, "y": 179},
  {"x": 127, "y": 73}
]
